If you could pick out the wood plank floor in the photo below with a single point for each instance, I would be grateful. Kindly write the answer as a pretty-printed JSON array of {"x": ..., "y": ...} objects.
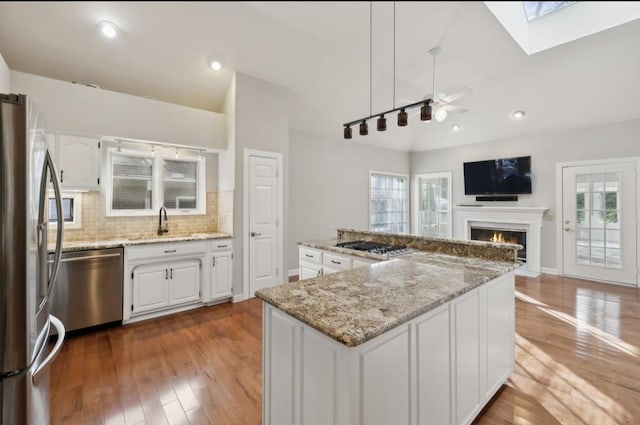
[{"x": 577, "y": 362}]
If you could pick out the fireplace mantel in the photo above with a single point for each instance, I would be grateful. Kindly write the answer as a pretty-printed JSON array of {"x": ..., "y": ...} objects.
[{"x": 529, "y": 218}]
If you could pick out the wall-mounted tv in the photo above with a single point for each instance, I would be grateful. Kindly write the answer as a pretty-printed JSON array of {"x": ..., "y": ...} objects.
[{"x": 504, "y": 176}]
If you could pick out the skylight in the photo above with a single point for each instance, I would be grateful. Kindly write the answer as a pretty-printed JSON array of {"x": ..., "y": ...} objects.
[{"x": 538, "y": 9}]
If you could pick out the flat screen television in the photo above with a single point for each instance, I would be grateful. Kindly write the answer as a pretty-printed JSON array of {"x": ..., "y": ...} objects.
[{"x": 504, "y": 176}]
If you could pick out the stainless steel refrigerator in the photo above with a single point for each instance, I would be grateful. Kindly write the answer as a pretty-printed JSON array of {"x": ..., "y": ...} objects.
[{"x": 26, "y": 280}]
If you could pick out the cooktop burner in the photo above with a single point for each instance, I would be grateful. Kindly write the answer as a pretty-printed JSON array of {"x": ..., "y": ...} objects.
[{"x": 376, "y": 247}]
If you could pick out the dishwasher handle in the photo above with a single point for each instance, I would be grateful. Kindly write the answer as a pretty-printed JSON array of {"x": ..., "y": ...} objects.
[{"x": 88, "y": 257}]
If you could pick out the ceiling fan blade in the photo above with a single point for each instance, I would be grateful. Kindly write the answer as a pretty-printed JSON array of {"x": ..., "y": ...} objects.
[
  {"x": 453, "y": 108},
  {"x": 455, "y": 96}
]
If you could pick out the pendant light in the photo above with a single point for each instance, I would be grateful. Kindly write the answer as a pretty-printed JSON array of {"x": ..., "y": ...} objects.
[{"x": 403, "y": 116}]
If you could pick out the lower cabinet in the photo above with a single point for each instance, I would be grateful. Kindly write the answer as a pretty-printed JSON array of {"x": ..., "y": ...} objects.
[
  {"x": 158, "y": 286},
  {"x": 164, "y": 278},
  {"x": 316, "y": 262},
  {"x": 439, "y": 368},
  {"x": 308, "y": 270}
]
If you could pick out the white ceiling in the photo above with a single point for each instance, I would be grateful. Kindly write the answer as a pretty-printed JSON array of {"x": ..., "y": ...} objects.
[{"x": 320, "y": 51}]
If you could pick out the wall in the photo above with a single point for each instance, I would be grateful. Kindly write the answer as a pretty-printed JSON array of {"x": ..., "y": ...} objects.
[
  {"x": 5, "y": 76},
  {"x": 97, "y": 112},
  {"x": 261, "y": 123},
  {"x": 599, "y": 142},
  {"x": 329, "y": 185}
]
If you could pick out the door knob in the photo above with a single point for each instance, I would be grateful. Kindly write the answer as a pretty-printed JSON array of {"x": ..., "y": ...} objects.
[
  {"x": 254, "y": 234},
  {"x": 567, "y": 229}
]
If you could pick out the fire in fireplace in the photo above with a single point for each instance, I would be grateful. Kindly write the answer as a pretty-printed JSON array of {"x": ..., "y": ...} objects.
[{"x": 502, "y": 236}]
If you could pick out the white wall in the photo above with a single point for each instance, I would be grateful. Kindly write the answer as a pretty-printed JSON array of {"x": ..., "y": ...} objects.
[
  {"x": 5, "y": 76},
  {"x": 329, "y": 185},
  {"x": 261, "y": 123},
  {"x": 600, "y": 142},
  {"x": 96, "y": 112}
]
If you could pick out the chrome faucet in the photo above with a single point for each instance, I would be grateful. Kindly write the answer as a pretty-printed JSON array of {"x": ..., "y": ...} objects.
[{"x": 160, "y": 229}]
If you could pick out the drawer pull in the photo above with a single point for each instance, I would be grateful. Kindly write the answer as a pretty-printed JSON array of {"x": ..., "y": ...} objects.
[
  {"x": 336, "y": 262},
  {"x": 222, "y": 246},
  {"x": 308, "y": 255},
  {"x": 169, "y": 251}
]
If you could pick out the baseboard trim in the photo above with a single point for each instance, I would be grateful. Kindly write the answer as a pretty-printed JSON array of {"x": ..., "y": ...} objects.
[
  {"x": 527, "y": 273},
  {"x": 293, "y": 272},
  {"x": 549, "y": 270},
  {"x": 237, "y": 298}
]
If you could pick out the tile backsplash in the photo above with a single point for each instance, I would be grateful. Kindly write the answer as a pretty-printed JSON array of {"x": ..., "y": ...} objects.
[{"x": 97, "y": 226}]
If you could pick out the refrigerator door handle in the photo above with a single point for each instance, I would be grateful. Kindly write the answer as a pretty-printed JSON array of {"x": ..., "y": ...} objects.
[
  {"x": 60, "y": 222},
  {"x": 53, "y": 320}
]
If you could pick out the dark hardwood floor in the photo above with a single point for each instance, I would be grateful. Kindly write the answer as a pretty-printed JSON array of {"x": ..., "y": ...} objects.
[{"x": 577, "y": 362}]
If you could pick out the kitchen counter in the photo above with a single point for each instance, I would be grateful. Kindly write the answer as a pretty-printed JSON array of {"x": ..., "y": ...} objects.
[
  {"x": 84, "y": 245},
  {"x": 357, "y": 305}
]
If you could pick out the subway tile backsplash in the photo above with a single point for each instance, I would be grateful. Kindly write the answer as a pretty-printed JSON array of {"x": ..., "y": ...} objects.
[{"x": 97, "y": 226}]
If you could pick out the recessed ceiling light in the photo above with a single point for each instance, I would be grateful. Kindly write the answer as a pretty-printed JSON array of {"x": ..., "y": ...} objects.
[
  {"x": 109, "y": 29},
  {"x": 215, "y": 64},
  {"x": 455, "y": 127},
  {"x": 518, "y": 115}
]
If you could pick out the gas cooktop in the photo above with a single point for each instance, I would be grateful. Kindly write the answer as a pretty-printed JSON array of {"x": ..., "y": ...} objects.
[{"x": 376, "y": 248}]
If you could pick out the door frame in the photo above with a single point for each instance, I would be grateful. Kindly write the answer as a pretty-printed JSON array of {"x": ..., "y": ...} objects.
[
  {"x": 559, "y": 205},
  {"x": 415, "y": 208},
  {"x": 245, "y": 216}
]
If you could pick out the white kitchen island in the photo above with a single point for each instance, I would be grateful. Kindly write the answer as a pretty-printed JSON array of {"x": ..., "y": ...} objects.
[{"x": 425, "y": 339}]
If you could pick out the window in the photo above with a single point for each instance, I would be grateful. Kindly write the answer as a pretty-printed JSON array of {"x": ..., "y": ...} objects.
[
  {"x": 140, "y": 183},
  {"x": 537, "y": 9},
  {"x": 388, "y": 202},
  {"x": 71, "y": 210}
]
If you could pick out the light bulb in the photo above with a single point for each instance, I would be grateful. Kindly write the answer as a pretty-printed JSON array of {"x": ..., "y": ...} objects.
[
  {"x": 440, "y": 114},
  {"x": 108, "y": 29},
  {"x": 518, "y": 115},
  {"x": 455, "y": 127},
  {"x": 216, "y": 65}
]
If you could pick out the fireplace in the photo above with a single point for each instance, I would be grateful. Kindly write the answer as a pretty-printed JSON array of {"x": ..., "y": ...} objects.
[
  {"x": 506, "y": 220},
  {"x": 492, "y": 234}
]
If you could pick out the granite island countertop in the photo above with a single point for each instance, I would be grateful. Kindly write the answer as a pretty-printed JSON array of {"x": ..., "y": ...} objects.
[
  {"x": 357, "y": 305},
  {"x": 114, "y": 243}
]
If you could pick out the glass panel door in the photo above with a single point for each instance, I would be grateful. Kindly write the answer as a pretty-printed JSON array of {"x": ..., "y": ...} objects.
[
  {"x": 433, "y": 199},
  {"x": 599, "y": 232}
]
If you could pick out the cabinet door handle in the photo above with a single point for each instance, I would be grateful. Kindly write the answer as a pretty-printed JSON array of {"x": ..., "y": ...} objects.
[
  {"x": 308, "y": 255},
  {"x": 214, "y": 261},
  {"x": 169, "y": 251},
  {"x": 166, "y": 274},
  {"x": 336, "y": 262},
  {"x": 171, "y": 275},
  {"x": 222, "y": 246},
  {"x": 61, "y": 176}
]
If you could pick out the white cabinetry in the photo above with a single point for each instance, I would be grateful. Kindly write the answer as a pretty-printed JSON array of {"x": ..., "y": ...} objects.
[
  {"x": 221, "y": 284},
  {"x": 78, "y": 161},
  {"x": 439, "y": 368},
  {"x": 310, "y": 263},
  {"x": 316, "y": 262},
  {"x": 163, "y": 278}
]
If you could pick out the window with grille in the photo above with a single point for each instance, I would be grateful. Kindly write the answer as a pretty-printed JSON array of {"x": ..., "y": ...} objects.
[
  {"x": 141, "y": 182},
  {"x": 388, "y": 202}
]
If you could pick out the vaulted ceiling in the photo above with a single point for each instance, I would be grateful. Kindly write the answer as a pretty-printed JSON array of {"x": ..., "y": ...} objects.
[{"x": 320, "y": 51}]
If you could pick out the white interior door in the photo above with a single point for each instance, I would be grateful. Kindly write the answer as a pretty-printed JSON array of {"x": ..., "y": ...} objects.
[
  {"x": 263, "y": 223},
  {"x": 599, "y": 222}
]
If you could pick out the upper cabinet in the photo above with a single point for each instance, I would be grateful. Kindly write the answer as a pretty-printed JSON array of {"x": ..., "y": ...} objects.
[{"x": 77, "y": 159}]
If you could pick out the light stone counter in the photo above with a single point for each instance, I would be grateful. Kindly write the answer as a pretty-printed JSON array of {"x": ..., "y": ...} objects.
[
  {"x": 357, "y": 305},
  {"x": 84, "y": 245}
]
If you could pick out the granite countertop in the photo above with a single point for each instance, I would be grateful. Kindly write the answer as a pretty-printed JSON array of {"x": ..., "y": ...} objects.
[
  {"x": 357, "y": 305},
  {"x": 113, "y": 243}
]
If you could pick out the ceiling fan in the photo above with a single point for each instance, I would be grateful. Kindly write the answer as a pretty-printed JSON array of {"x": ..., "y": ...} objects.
[{"x": 440, "y": 102}]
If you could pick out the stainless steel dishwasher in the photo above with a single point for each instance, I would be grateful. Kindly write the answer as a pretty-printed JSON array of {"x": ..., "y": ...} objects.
[{"x": 88, "y": 291}]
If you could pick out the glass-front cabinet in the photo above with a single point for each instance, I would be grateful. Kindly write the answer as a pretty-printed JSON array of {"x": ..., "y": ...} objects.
[{"x": 432, "y": 209}]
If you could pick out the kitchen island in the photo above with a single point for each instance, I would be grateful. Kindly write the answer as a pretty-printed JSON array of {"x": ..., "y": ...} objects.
[{"x": 425, "y": 338}]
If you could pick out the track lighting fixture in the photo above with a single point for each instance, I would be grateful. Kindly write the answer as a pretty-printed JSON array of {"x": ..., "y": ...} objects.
[
  {"x": 425, "y": 112},
  {"x": 364, "y": 128},
  {"x": 402, "y": 118}
]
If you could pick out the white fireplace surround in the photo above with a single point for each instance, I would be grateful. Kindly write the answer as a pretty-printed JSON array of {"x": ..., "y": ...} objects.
[{"x": 528, "y": 219}]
